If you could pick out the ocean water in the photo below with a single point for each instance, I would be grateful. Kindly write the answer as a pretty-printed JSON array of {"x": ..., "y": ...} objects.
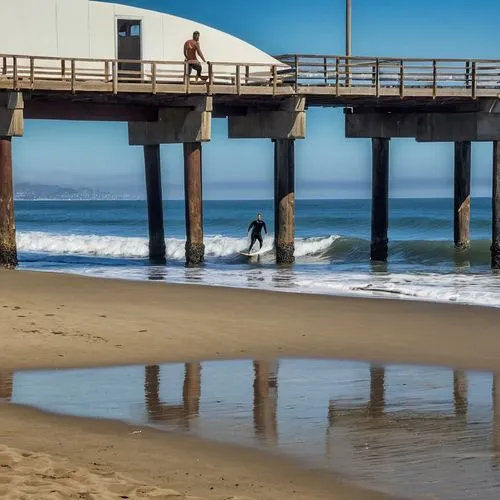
[{"x": 109, "y": 239}]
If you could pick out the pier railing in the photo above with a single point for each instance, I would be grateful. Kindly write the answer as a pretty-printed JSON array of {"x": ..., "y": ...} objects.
[{"x": 293, "y": 74}]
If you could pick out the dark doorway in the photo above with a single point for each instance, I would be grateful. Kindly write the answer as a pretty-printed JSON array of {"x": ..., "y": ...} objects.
[{"x": 129, "y": 47}]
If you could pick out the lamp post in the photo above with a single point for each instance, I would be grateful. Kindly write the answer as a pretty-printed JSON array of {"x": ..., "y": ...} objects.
[{"x": 348, "y": 28}]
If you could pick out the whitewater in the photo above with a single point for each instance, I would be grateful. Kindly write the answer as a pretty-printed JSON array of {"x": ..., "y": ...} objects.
[{"x": 109, "y": 239}]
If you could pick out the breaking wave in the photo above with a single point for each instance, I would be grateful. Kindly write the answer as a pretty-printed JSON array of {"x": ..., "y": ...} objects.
[{"x": 332, "y": 248}]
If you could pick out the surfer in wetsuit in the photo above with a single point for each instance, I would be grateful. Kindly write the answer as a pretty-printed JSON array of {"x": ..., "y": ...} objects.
[{"x": 256, "y": 227}]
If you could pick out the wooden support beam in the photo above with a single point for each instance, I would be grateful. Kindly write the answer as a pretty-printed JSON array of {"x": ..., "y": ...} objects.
[
  {"x": 193, "y": 191},
  {"x": 495, "y": 229},
  {"x": 460, "y": 392},
  {"x": 155, "y": 204},
  {"x": 461, "y": 210},
  {"x": 8, "y": 249},
  {"x": 380, "y": 199},
  {"x": 284, "y": 200}
]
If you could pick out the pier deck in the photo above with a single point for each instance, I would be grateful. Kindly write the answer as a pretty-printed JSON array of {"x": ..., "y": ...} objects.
[{"x": 325, "y": 81}]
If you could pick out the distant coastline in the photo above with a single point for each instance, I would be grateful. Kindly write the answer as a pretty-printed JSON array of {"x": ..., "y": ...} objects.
[{"x": 27, "y": 191}]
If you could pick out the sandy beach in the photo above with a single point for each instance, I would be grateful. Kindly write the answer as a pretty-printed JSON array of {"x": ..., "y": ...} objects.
[{"x": 56, "y": 321}]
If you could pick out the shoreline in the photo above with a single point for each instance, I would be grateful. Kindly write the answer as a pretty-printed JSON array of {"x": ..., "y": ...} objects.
[
  {"x": 56, "y": 320},
  {"x": 53, "y": 320}
]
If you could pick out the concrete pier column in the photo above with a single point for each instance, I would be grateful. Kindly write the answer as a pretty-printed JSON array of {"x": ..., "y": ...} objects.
[
  {"x": 8, "y": 249},
  {"x": 380, "y": 198},
  {"x": 461, "y": 210},
  {"x": 195, "y": 249},
  {"x": 155, "y": 204},
  {"x": 284, "y": 200},
  {"x": 460, "y": 392}
]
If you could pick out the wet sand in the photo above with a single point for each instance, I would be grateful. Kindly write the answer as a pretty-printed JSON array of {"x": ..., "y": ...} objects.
[{"x": 51, "y": 321}]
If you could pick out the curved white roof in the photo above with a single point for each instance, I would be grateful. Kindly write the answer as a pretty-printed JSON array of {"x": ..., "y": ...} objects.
[{"x": 87, "y": 29}]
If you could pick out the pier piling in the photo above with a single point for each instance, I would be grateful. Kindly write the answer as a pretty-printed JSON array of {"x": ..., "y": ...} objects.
[
  {"x": 195, "y": 248},
  {"x": 155, "y": 204},
  {"x": 284, "y": 200},
  {"x": 495, "y": 240},
  {"x": 8, "y": 250},
  {"x": 380, "y": 199},
  {"x": 461, "y": 212}
]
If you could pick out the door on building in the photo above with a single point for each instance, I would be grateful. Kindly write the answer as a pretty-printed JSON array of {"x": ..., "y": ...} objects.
[{"x": 129, "y": 47}]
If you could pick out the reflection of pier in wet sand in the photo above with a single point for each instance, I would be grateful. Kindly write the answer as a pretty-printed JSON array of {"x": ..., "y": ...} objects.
[
  {"x": 389, "y": 428},
  {"x": 265, "y": 390},
  {"x": 178, "y": 413},
  {"x": 6, "y": 384}
]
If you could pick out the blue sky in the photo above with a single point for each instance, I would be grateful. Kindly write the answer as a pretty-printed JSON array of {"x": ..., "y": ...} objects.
[{"x": 327, "y": 164}]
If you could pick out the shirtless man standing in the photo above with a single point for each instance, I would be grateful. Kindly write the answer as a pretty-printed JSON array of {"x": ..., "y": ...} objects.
[{"x": 191, "y": 49}]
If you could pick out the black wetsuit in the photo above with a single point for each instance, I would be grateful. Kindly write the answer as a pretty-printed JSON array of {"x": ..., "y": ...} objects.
[{"x": 256, "y": 227}]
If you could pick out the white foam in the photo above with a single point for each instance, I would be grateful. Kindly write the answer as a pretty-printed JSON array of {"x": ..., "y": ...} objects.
[{"x": 217, "y": 246}]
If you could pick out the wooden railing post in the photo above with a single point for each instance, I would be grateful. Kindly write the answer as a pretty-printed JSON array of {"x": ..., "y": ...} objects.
[
  {"x": 434, "y": 79},
  {"x": 273, "y": 69},
  {"x": 474, "y": 79},
  {"x": 326, "y": 71},
  {"x": 32, "y": 72},
  {"x": 337, "y": 76},
  {"x": 401, "y": 78},
  {"x": 247, "y": 74},
  {"x": 186, "y": 77},
  {"x": 14, "y": 65},
  {"x": 347, "y": 69},
  {"x": 296, "y": 74},
  {"x": 114, "y": 70},
  {"x": 377, "y": 77},
  {"x": 106, "y": 71},
  {"x": 210, "y": 77},
  {"x": 73, "y": 75},
  {"x": 153, "y": 77},
  {"x": 63, "y": 69},
  {"x": 238, "y": 80},
  {"x": 4, "y": 67},
  {"x": 467, "y": 75}
]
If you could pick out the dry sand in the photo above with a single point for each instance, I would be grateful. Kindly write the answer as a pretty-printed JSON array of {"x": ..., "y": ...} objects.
[{"x": 50, "y": 320}]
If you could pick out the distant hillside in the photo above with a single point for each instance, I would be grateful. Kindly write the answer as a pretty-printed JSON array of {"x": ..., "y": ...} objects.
[{"x": 33, "y": 191}]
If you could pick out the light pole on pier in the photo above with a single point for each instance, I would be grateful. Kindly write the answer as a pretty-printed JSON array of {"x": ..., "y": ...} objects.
[{"x": 348, "y": 12}]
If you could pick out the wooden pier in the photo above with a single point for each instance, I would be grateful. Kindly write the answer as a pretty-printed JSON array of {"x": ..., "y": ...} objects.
[{"x": 430, "y": 100}]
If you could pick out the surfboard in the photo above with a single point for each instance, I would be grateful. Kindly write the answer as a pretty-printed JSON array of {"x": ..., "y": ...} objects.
[{"x": 246, "y": 254}]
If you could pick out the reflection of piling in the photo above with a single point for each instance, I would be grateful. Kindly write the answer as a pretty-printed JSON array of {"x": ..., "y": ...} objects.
[
  {"x": 6, "y": 383},
  {"x": 152, "y": 389},
  {"x": 496, "y": 418},
  {"x": 192, "y": 389},
  {"x": 460, "y": 392},
  {"x": 377, "y": 391},
  {"x": 190, "y": 407},
  {"x": 265, "y": 389}
]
